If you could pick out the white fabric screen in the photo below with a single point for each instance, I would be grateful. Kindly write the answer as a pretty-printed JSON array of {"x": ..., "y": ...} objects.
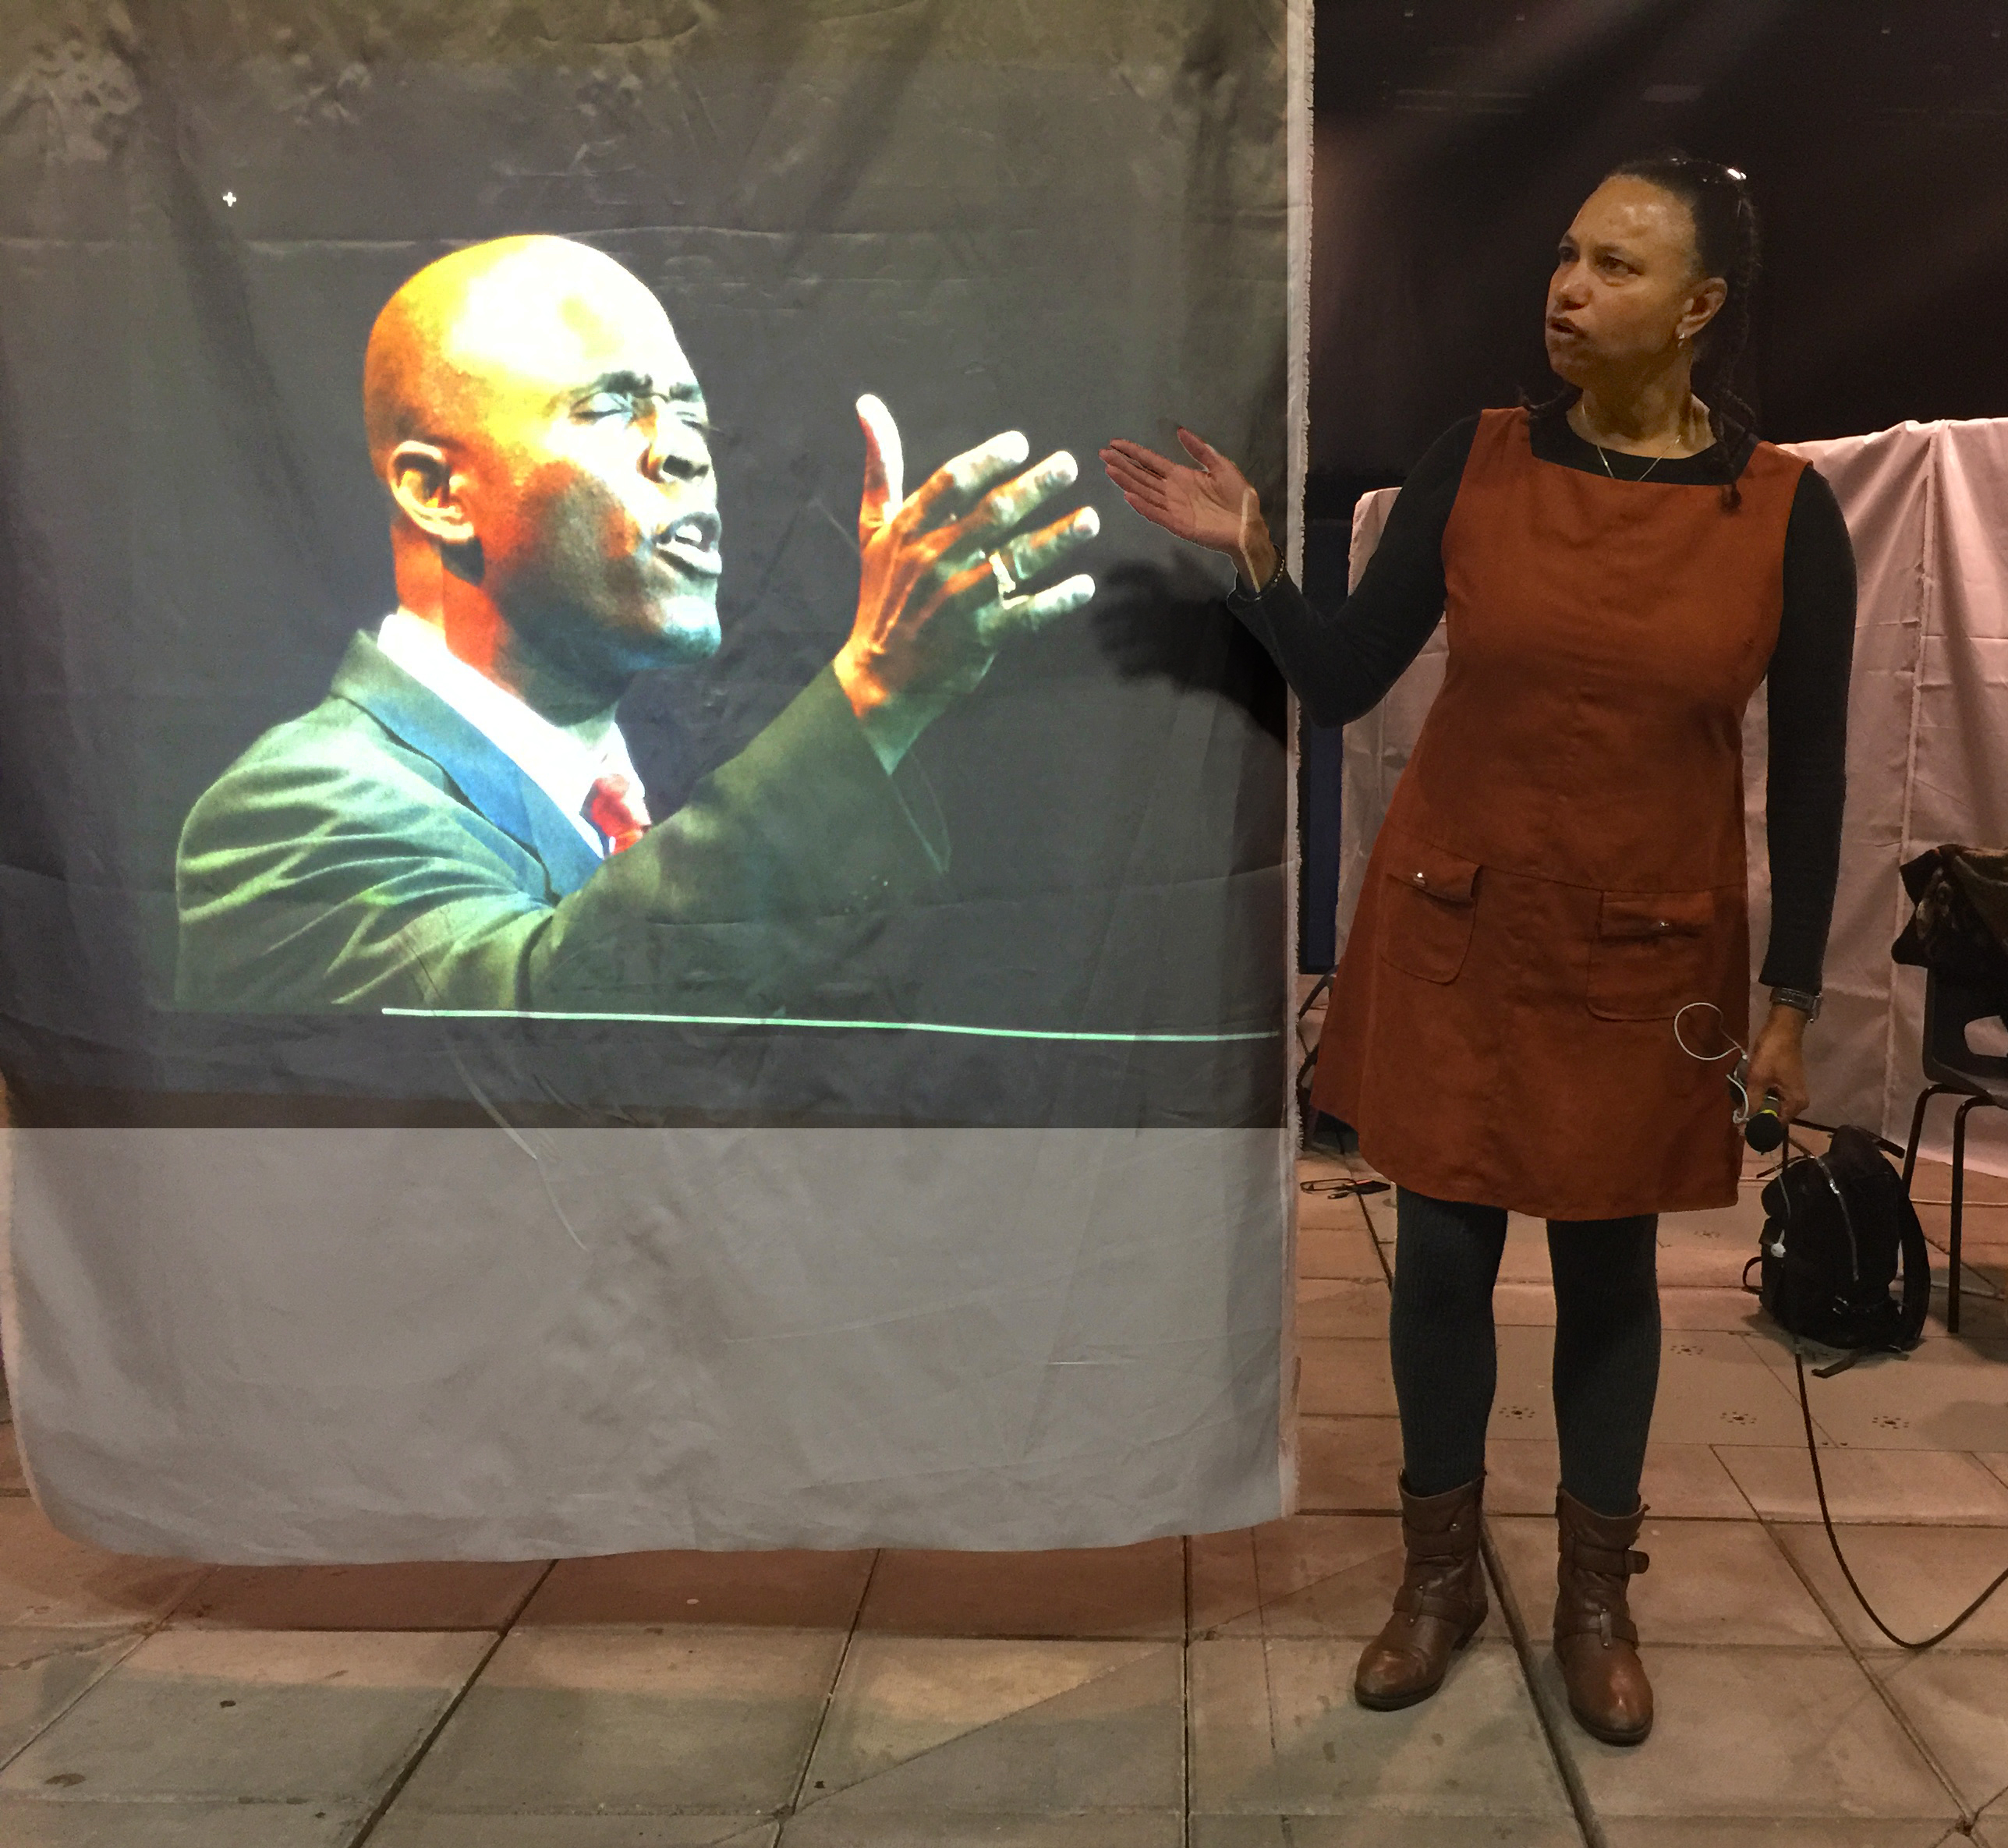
[{"x": 304, "y": 1281}]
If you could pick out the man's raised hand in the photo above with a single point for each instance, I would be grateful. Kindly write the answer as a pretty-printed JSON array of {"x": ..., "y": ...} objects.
[
  {"x": 938, "y": 585},
  {"x": 1212, "y": 505}
]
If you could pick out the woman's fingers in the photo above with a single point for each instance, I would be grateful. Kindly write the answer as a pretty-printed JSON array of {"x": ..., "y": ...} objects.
[
  {"x": 1146, "y": 461},
  {"x": 1139, "y": 471},
  {"x": 1228, "y": 480},
  {"x": 1166, "y": 494},
  {"x": 1124, "y": 468},
  {"x": 1140, "y": 464},
  {"x": 1783, "y": 1072},
  {"x": 1137, "y": 486},
  {"x": 1153, "y": 511}
]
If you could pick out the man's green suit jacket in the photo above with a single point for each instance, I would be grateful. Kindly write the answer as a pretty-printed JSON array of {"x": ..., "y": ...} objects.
[{"x": 381, "y": 852}]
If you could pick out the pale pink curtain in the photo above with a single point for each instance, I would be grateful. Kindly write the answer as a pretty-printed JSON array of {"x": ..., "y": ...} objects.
[{"x": 1927, "y": 504}]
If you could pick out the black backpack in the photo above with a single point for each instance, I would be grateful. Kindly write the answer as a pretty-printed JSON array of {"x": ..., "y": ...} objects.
[{"x": 1835, "y": 1227}]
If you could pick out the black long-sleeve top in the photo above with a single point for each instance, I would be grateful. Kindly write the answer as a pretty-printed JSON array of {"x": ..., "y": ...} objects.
[{"x": 1342, "y": 661}]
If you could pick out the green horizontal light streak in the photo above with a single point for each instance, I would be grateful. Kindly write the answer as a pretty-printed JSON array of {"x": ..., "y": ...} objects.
[{"x": 855, "y": 1026}]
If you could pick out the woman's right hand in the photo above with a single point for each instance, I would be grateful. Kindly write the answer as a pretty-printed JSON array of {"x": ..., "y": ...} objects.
[{"x": 1212, "y": 505}]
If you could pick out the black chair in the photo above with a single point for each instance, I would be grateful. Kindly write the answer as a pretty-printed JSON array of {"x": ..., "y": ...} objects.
[{"x": 1955, "y": 1070}]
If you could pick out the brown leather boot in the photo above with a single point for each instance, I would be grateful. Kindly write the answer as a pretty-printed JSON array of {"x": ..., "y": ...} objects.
[
  {"x": 1440, "y": 1606},
  {"x": 1595, "y": 1640}
]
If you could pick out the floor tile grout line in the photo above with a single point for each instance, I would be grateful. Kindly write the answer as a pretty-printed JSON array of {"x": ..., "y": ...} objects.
[
  {"x": 522, "y": 1604},
  {"x": 1587, "y": 1820},
  {"x": 1163, "y": 1638},
  {"x": 1721, "y": 1463},
  {"x": 409, "y": 1770},
  {"x": 1159, "y": 1643},
  {"x": 133, "y": 1639},
  {"x": 1967, "y": 1818},
  {"x": 793, "y": 1807},
  {"x": 1263, "y": 1643},
  {"x": 139, "y": 1634},
  {"x": 1366, "y": 1221}
]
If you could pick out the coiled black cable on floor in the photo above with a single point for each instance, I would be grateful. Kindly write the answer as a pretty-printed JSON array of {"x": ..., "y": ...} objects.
[
  {"x": 1840, "y": 1558},
  {"x": 1819, "y": 1477}
]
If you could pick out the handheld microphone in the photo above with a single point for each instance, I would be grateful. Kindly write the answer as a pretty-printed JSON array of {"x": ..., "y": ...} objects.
[{"x": 1764, "y": 1129}]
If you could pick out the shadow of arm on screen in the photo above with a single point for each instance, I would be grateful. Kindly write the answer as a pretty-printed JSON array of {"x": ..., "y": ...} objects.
[{"x": 1171, "y": 622}]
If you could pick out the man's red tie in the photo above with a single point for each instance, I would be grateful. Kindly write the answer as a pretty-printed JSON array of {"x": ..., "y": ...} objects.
[{"x": 611, "y": 808}]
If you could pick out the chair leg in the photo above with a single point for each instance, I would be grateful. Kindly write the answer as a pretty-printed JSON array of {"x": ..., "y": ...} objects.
[
  {"x": 1918, "y": 1128},
  {"x": 1958, "y": 1207}
]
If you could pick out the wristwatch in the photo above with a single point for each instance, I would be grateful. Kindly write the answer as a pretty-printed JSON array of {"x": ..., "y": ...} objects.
[{"x": 1806, "y": 999}]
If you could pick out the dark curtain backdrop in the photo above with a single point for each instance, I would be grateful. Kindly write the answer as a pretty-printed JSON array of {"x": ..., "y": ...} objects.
[{"x": 1455, "y": 138}]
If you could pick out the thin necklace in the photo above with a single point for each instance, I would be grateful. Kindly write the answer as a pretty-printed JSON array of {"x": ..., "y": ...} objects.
[{"x": 1612, "y": 473}]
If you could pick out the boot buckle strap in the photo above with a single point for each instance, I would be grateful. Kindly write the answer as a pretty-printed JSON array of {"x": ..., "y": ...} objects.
[
  {"x": 1612, "y": 1562},
  {"x": 1442, "y": 1558},
  {"x": 1449, "y": 1606},
  {"x": 1436, "y": 1596},
  {"x": 1605, "y": 1624}
]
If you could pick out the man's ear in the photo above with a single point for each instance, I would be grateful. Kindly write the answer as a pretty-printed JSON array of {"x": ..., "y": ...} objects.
[{"x": 422, "y": 481}]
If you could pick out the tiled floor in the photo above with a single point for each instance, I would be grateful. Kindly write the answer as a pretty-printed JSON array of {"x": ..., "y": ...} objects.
[{"x": 1177, "y": 1694}]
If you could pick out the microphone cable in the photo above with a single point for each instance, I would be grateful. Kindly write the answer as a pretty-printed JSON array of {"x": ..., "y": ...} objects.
[
  {"x": 1820, "y": 1490},
  {"x": 1775, "y": 1133},
  {"x": 1763, "y": 1129},
  {"x": 1840, "y": 1558}
]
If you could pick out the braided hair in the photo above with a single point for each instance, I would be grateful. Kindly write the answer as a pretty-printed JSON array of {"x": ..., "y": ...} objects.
[{"x": 1728, "y": 244}]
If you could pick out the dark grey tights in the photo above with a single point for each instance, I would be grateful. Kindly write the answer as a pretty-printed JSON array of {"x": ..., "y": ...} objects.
[{"x": 1446, "y": 1258}]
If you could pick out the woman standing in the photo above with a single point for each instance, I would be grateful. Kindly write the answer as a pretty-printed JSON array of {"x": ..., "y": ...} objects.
[{"x": 1562, "y": 867}]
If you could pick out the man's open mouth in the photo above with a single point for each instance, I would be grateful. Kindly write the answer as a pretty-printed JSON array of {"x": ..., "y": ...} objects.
[{"x": 692, "y": 543}]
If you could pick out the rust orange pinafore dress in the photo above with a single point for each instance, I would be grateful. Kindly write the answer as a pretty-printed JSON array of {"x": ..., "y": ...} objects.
[{"x": 1562, "y": 867}]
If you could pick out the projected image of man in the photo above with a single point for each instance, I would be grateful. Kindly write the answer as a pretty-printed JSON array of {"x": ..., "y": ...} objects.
[{"x": 458, "y": 824}]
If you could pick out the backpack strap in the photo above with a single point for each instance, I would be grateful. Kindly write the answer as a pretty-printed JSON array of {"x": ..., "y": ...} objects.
[{"x": 1917, "y": 1271}]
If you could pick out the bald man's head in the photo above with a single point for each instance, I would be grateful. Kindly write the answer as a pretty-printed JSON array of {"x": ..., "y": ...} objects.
[
  {"x": 490, "y": 317},
  {"x": 532, "y": 414}
]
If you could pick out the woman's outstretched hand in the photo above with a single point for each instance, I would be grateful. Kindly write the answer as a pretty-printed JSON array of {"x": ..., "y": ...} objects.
[{"x": 1212, "y": 505}]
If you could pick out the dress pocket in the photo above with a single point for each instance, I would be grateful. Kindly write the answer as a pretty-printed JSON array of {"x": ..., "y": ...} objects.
[
  {"x": 1654, "y": 952},
  {"x": 1427, "y": 910}
]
